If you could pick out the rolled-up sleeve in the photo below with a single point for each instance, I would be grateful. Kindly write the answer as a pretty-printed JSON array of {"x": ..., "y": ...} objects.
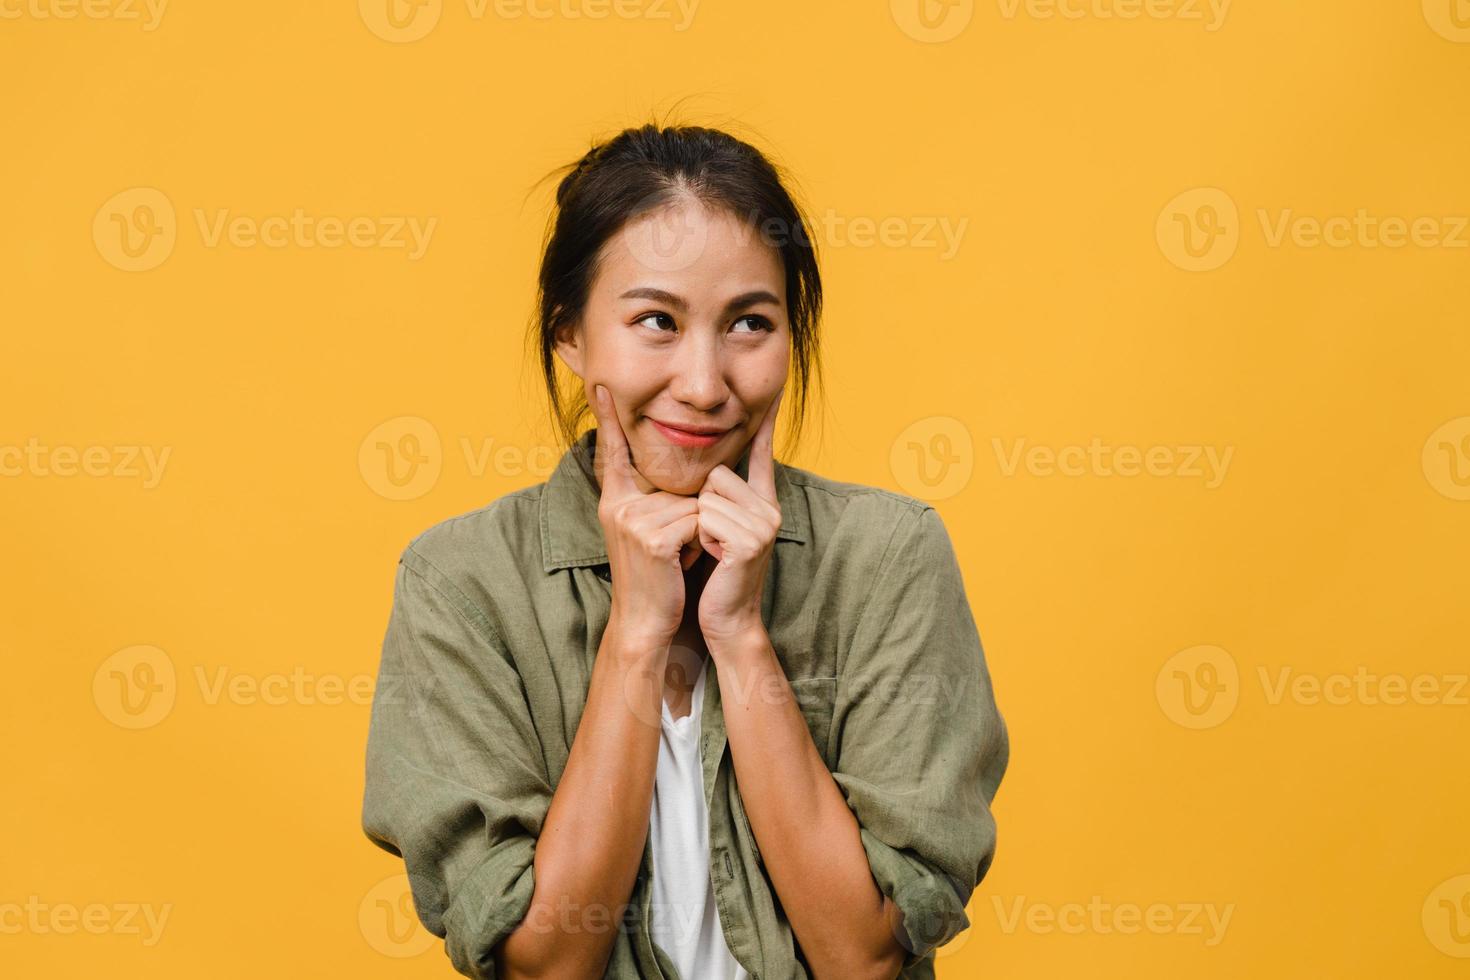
[
  {"x": 456, "y": 782},
  {"x": 920, "y": 745}
]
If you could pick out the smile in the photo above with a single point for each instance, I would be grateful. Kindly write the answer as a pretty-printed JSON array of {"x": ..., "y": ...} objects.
[{"x": 687, "y": 439}]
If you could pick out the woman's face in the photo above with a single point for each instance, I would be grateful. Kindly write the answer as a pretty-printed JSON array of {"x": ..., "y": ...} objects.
[{"x": 686, "y": 327}]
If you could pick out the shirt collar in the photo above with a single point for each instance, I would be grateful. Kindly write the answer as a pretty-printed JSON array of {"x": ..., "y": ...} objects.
[{"x": 571, "y": 534}]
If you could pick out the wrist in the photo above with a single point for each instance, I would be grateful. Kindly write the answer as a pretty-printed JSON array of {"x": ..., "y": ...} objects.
[
  {"x": 736, "y": 639},
  {"x": 636, "y": 641}
]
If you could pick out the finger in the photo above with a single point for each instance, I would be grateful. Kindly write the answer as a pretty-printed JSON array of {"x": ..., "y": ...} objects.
[
  {"x": 677, "y": 536},
  {"x": 720, "y": 536},
  {"x": 611, "y": 462},
  {"x": 711, "y": 502},
  {"x": 762, "y": 467},
  {"x": 691, "y": 551},
  {"x": 708, "y": 541},
  {"x": 727, "y": 483},
  {"x": 662, "y": 507}
]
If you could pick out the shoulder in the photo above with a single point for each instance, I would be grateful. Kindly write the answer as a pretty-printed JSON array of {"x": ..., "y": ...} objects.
[
  {"x": 815, "y": 486},
  {"x": 500, "y": 538},
  {"x": 464, "y": 565},
  {"x": 850, "y": 514}
]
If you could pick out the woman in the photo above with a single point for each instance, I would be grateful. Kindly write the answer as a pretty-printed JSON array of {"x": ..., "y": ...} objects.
[{"x": 682, "y": 710}]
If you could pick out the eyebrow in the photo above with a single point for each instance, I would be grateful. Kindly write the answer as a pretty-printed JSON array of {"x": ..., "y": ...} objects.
[{"x": 751, "y": 298}]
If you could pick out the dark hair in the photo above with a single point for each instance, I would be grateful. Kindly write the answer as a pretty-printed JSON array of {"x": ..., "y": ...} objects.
[{"x": 638, "y": 171}]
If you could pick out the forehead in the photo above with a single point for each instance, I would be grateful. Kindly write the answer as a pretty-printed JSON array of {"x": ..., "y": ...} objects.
[{"x": 686, "y": 247}]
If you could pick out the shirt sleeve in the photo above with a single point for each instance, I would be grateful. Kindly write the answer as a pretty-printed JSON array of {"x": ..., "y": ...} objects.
[
  {"x": 920, "y": 745},
  {"x": 456, "y": 782}
]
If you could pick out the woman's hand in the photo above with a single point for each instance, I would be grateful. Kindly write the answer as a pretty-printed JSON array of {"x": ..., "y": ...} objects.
[
  {"x": 738, "y": 521},
  {"x": 646, "y": 533}
]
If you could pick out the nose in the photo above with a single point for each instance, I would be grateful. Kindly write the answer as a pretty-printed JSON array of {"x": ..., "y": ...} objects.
[{"x": 699, "y": 372}]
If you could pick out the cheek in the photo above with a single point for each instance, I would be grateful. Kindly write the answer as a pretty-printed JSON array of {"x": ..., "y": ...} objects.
[
  {"x": 615, "y": 360},
  {"x": 763, "y": 376},
  {"x": 632, "y": 384},
  {"x": 619, "y": 353}
]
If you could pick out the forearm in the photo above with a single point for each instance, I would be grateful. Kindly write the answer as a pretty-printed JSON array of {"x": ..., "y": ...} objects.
[
  {"x": 808, "y": 836},
  {"x": 589, "y": 850}
]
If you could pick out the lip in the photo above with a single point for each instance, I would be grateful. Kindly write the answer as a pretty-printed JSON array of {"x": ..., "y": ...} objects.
[{"x": 687, "y": 438}]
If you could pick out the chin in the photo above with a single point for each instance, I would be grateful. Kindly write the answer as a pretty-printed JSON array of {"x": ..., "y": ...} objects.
[
  {"x": 681, "y": 488},
  {"x": 676, "y": 471},
  {"x": 687, "y": 480}
]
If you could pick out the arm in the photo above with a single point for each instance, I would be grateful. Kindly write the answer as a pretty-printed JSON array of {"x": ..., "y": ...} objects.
[
  {"x": 876, "y": 875},
  {"x": 457, "y": 786},
  {"x": 592, "y": 843},
  {"x": 920, "y": 747},
  {"x": 808, "y": 837}
]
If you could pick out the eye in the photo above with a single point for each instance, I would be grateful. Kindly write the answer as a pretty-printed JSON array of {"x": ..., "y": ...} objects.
[
  {"x": 655, "y": 316},
  {"x": 760, "y": 322}
]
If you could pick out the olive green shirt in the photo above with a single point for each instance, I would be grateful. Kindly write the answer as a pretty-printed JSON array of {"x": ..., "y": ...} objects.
[{"x": 496, "y": 621}]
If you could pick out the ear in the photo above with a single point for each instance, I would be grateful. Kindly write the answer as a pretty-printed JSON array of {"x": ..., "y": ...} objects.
[{"x": 569, "y": 347}]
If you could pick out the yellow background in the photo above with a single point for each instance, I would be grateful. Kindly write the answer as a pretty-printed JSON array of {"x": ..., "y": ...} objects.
[{"x": 1335, "y": 541}]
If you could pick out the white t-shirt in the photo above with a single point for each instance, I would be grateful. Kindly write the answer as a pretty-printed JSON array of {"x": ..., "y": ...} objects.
[{"x": 684, "y": 918}]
